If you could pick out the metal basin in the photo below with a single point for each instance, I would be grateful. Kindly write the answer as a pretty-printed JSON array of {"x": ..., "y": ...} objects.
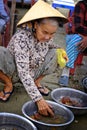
[
  {"x": 29, "y": 108},
  {"x": 84, "y": 84},
  {"x": 76, "y": 95},
  {"x": 10, "y": 121}
]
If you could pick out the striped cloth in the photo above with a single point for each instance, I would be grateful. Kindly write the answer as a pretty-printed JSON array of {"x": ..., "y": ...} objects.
[{"x": 71, "y": 48}]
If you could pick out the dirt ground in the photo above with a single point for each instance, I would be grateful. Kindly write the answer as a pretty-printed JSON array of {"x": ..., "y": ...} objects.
[{"x": 19, "y": 96}]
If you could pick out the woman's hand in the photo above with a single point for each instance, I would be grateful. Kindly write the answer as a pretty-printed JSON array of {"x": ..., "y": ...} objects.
[
  {"x": 82, "y": 45},
  {"x": 44, "y": 108}
]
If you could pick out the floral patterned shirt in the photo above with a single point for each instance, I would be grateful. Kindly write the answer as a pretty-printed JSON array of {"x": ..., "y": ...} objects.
[{"x": 28, "y": 54}]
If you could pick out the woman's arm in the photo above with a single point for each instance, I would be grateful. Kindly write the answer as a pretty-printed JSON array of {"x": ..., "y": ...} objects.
[{"x": 22, "y": 62}]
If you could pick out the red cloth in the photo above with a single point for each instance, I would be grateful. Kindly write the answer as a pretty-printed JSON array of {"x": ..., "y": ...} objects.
[
  {"x": 5, "y": 1},
  {"x": 78, "y": 20}
]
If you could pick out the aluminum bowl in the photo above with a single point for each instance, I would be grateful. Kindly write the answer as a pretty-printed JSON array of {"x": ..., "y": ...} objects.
[
  {"x": 29, "y": 108},
  {"x": 79, "y": 96},
  {"x": 84, "y": 84},
  {"x": 10, "y": 121}
]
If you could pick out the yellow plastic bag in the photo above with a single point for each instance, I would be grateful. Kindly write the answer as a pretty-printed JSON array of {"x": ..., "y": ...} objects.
[{"x": 62, "y": 58}]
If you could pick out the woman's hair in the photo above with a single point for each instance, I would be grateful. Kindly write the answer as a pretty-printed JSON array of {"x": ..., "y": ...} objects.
[{"x": 52, "y": 20}]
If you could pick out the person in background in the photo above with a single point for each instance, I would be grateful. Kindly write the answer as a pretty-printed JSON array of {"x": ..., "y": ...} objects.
[
  {"x": 4, "y": 17},
  {"x": 31, "y": 54},
  {"x": 4, "y": 11},
  {"x": 4, "y": 23},
  {"x": 76, "y": 38}
]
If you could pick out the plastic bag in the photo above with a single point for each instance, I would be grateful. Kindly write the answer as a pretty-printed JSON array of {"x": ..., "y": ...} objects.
[{"x": 62, "y": 58}]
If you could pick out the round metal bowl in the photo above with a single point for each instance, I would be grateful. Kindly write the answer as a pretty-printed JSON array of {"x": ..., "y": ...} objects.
[
  {"x": 10, "y": 121},
  {"x": 29, "y": 108},
  {"x": 79, "y": 96},
  {"x": 84, "y": 84}
]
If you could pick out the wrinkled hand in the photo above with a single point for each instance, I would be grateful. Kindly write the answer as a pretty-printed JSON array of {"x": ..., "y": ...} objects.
[
  {"x": 82, "y": 45},
  {"x": 44, "y": 108}
]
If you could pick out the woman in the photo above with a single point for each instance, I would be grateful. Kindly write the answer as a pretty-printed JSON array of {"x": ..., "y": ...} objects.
[
  {"x": 29, "y": 51},
  {"x": 76, "y": 38}
]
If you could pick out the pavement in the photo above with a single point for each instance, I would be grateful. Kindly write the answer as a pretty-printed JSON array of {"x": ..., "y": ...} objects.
[{"x": 20, "y": 96}]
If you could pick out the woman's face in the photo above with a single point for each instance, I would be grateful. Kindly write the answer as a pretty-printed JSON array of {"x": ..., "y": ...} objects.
[{"x": 45, "y": 31}]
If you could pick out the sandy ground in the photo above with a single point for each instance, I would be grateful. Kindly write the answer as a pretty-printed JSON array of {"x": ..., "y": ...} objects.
[{"x": 19, "y": 96}]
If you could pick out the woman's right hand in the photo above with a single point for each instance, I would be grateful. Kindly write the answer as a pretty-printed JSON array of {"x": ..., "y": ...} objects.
[
  {"x": 44, "y": 108},
  {"x": 82, "y": 45}
]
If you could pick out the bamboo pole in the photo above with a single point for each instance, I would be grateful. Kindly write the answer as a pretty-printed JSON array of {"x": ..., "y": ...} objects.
[{"x": 13, "y": 8}]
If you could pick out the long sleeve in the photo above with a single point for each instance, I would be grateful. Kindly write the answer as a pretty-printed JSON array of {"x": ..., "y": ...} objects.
[{"x": 21, "y": 53}]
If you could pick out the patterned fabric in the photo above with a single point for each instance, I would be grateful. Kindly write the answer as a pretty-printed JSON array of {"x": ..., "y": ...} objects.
[
  {"x": 28, "y": 54},
  {"x": 78, "y": 21}
]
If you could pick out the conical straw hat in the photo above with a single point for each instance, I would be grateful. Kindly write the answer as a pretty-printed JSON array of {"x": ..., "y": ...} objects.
[{"x": 39, "y": 10}]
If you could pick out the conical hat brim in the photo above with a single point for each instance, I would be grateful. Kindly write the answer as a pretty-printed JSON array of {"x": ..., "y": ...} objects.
[{"x": 39, "y": 10}]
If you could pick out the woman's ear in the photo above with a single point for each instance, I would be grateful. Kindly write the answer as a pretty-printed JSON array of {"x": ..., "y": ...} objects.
[{"x": 35, "y": 25}]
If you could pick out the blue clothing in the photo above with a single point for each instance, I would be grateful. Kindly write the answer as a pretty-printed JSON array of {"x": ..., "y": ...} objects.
[
  {"x": 2, "y": 9},
  {"x": 71, "y": 48},
  {"x": 3, "y": 17}
]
